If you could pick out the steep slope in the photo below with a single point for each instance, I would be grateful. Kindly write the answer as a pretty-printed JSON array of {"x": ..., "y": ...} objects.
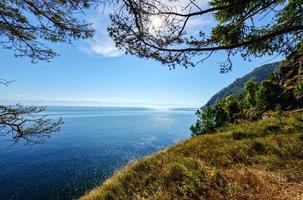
[
  {"x": 254, "y": 160},
  {"x": 259, "y": 74},
  {"x": 290, "y": 76}
]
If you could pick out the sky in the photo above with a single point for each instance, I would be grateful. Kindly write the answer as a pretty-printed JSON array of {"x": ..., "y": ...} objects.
[{"x": 94, "y": 73}]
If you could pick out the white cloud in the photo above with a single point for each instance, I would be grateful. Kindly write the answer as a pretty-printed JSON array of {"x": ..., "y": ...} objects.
[
  {"x": 101, "y": 44},
  {"x": 104, "y": 47}
]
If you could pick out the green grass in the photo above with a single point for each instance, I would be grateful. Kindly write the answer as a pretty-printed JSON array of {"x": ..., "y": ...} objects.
[{"x": 251, "y": 160}]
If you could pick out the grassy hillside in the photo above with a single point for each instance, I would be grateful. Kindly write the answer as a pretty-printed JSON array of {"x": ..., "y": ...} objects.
[
  {"x": 252, "y": 160},
  {"x": 237, "y": 87}
]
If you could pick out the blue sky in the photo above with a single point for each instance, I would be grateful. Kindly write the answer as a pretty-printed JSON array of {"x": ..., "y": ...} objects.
[{"x": 94, "y": 73}]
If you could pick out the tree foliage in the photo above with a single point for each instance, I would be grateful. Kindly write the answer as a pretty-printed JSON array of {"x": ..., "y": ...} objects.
[
  {"x": 25, "y": 25},
  {"x": 279, "y": 92},
  {"x": 268, "y": 95},
  {"x": 237, "y": 88},
  {"x": 217, "y": 115},
  {"x": 26, "y": 123},
  {"x": 249, "y": 27},
  {"x": 299, "y": 88},
  {"x": 251, "y": 88},
  {"x": 252, "y": 28}
]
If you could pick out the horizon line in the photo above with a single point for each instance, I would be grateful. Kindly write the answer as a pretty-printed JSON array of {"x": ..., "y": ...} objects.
[{"x": 95, "y": 104}]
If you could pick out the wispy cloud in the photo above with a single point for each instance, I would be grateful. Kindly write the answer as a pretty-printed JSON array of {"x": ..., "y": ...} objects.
[
  {"x": 101, "y": 44},
  {"x": 105, "y": 47}
]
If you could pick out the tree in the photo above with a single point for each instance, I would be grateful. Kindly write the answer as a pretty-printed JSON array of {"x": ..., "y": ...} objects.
[
  {"x": 26, "y": 123},
  {"x": 269, "y": 94},
  {"x": 205, "y": 122},
  {"x": 210, "y": 118},
  {"x": 25, "y": 27},
  {"x": 251, "y": 88},
  {"x": 232, "y": 108},
  {"x": 158, "y": 29},
  {"x": 25, "y": 24}
]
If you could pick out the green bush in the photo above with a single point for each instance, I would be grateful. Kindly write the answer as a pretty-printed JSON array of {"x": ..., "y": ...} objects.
[
  {"x": 240, "y": 135},
  {"x": 269, "y": 94},
  {"x": 251, "y": 88},
  {"x": 258, "y": 147},
  {"x": 232, "y": 108},
  {"x": 298, "y": 90},
  {"x": 279, "y": 112},
  {"x": 210, "y": 118},
  {"x": 216, "y": 116},
  {"x": 298, "y": 124},
  {"x": 206, "y": 121},
  {"x": 252, "y": 115}
]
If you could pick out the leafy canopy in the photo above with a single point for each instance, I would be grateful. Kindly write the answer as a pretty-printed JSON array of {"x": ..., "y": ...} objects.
[
  {"x": 26, "y": 124},
  {"x": 159, "y": 29},
  {"x": 267, "y": 95},
  {"x": 25, "y": 25}
]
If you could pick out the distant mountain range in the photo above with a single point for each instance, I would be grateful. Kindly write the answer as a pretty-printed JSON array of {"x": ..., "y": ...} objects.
[{"x": 237, "y": 87}]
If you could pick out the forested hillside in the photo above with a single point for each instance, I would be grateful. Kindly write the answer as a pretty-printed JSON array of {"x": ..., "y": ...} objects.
[{"x": 259, "y": 74}]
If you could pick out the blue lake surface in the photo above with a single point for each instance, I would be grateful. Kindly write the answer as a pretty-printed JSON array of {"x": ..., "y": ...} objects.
[{"x": 92, "y": 144}]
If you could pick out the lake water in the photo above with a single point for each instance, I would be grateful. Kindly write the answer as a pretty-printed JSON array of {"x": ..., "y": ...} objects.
[{"x": 91, "y": 145}]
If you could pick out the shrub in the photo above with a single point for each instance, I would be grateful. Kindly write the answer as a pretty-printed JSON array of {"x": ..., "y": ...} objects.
[
  {"x": 271, "y": 128},
  {"x": 258, "y": 147},
  {"x": 252, "y": 115},
  {"x": 232, "y": 108},
  {"x": 250, "y": 89},
  {"x": 240, "y": 135},
  {"x": 209, "y": 119},
  {"x": 205, "y": 122},
  {"x": 298, "y": 124},
  {"x": 216, "y": 116},
  {"x": 298, "y": 90},
  {"x": 269, "y": 94},
  {"x": 278, "y": 111}
]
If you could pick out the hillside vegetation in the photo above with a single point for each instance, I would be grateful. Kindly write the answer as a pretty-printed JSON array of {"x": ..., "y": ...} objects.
[
  {"x": 250, "y": 160},
  {"x": 237, "y": 87},
  {"x": 282, "y": 90}
]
